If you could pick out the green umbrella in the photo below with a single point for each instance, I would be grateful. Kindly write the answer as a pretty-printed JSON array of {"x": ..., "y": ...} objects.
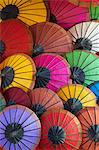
[
  {"x": 94, "y": 13},
  {"x": 84, "y": 67}
]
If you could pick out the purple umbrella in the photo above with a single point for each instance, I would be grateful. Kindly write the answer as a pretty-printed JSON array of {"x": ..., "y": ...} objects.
[{"x": 20, "y": 128}]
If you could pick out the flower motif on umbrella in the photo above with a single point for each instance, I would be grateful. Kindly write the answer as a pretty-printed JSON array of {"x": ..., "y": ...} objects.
[
  {"x": 20, "y": 128},
  {"x": 66, "y": 14},
  {"x": 75, "y": 97},
  {"x": 50, "y": 37},
  {"x": 84, "y": 67},
  {"x": 44, "y": 99},
  {"x": 89, "y": 119},
  {"x": 15, "y": 37},
  {"x": 85, "y": 36},
  {"x": 60, "y": 130},
  {"x": 28, "y": 11},
  {"x": 52, "y": 71},
  {"x": 18, "y": 71}
]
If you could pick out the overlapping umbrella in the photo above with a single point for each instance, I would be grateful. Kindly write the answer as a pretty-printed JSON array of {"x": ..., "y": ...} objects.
[
  {"x": 44, "y": 99},
  {"x": 18, "y": 71},
  {"x": 15, "y": 37},
  {"x": 2, "y": 102},
  {"x": 85, "y": 3},
  {"x": 28, "y": 11},
  {"x": 75, "y": 97},
  {"x": 66, "y": 14},
  {"x": 15, "y": 96},
  {"x": 84, "y": 67},
  {"x": 89, "y": 119},
  {"x": 60, "y": 130},
  {"x": 52, "y": 71},
  {"x": 94, "y": 87},
  {"x": 50, "y": 37},
  {"x": 94, "y": 13},
  {"x": 86, "y": 36},
  {"x": 19, "y": 128}
]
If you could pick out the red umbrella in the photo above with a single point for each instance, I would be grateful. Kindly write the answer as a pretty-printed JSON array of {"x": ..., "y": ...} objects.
[
  {"x": 50, "y": 37},
  {"x": 15, "y": 37},
  {"x": 66, "y": 14},
  {"x": 44, "y": 99},
  {"x": 60, "y": 130},
  {"x": 89, "y": 118},
  {"x": 16, "y": 95}
]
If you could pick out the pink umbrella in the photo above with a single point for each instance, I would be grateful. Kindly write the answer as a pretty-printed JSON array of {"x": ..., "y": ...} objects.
[
  {"x": 53, "y": 71},
  {"x": 66, "y": 14}
]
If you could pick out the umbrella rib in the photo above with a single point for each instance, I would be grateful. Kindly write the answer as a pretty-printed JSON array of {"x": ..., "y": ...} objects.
[
  {"x": 70, "y": 145},
  {"x": 87, "y": 29},
  {"x": 27, "y": 19},
  {"x": 91, "y": 69},
  {"x": 28, "y": 140},
  {"x": 31, "y": 130},
  {"x": 18, "y": 4},
  {"x": 4, "y": 143},
  {"x": 25, "y": 145},
  {"x": 21, "y": 115},
  {"x": 53, "y": 104},
  {"x": 29, "y": 124},
  {"x": 2, "y": 123},
  {"x": 33, "y": 14},
  {"x": 22, "y": 78},
  {"x": 32, "y": 9},
  {"x": 5, "y": 117},
  {"x": 27, "y": 118},
  {"x": 55, "y": 11}
]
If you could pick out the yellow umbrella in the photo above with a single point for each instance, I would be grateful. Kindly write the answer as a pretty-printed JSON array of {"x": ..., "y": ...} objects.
[
  {"x": 18, "y": 71},
  {"x": 76, "y": 97},
  {"x": 29, "y": 11}
]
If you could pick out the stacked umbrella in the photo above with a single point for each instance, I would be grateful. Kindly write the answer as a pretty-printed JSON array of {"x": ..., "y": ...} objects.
[{"x": 49, "y": 74}]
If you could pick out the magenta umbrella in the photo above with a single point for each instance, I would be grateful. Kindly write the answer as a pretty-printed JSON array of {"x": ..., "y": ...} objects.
[
  {"x": 66, "y": 14},
  {"x": 53, "y": 71}
]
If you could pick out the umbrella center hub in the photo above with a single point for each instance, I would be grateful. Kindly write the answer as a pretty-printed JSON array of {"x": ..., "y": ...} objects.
[
  {"x": 14, "y": 133},
  {"x": 7, "y": 75},
  {"x": 37, "y": 49},
  {"x": 78, "y": 75},
  {"x": 53, "y": 18},
  {"x": 83, "y": 43},
  {"x": 38, "y": 109},
  {"x": 2, "y": 47},
  {"x": 56, "y": 135},
  {"x": 42, "y": 77},
  {"x": 9, "y": 12},
  {"x": 93, "y": 133},
  {"x": 73, "y": 105},
  {"x": 11, "y": 102}
]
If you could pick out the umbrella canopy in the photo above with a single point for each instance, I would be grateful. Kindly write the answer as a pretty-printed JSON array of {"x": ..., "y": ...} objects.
[
  {"x": 2, "y": 102},
  {"x": 15, "y": 96},
  {"x": 60, "y": 130},
  {"x": 94, "y": 13},
  {"x": 75, "y": 97},
  {"x": 44, "y": 99},
  {"x": 29, "y": 11},
  {"x": 50, "y": 37},
  {"x": 86, "y": 36},
  {"x": 66, "y": 14},
  {"x": 19, "y": 41},
  {"x": 84, "y": 67},
  {"x": 89, "y": 119},
  {"x": 18, "y": 71},
  {"x": 94, "y": 87},
  {"x": 19, "y": 128},
  {"x": 85, "y": 3},
  {"x": 52, "y": 71}
]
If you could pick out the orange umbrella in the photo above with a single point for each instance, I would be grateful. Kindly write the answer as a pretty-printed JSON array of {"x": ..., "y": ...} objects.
[{"x": 89, "y": 119}]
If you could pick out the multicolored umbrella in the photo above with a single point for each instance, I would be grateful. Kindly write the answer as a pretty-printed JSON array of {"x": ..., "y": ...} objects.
[
  {"x": 15, "y": 37},
  {"x": 75, "y": 97},
  {"x": 2, "y": 102},
  {"x": 44, "y": 99},
  {"x": 89, "y": 118},
  {"x": 94, "y": 13},
  {"x": 85, "y": 3},
  {"x": 60, "y": 130},
  {"x": 20, "y": 128},
  {"x": 84, "y": 67},
  {"x": 18, "y": 71},
  {"x": 29, "y": 11},
  {"x": 86, "y": 36},
  {"x": 66, "y": 14},
  {"x": 94, "y": 87},
  {"x": 15, "y": 96},
  {"x": 50, "y": 37},
  {"x": 52, "y": 71}
]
